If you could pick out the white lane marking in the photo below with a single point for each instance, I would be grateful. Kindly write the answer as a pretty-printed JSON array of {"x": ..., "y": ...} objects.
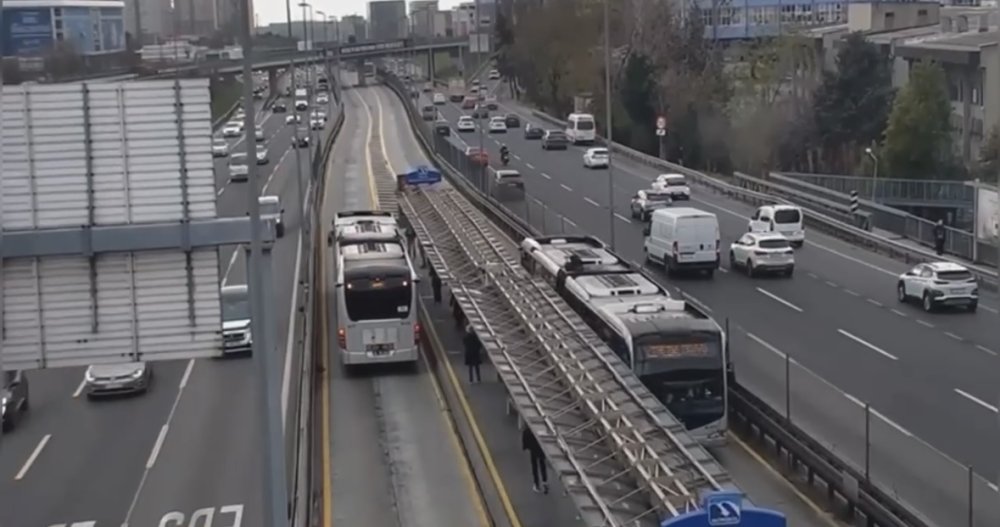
[
  {"x": 994, "y": 486},
  {"x": 853, "y": 259},
  {"x": 813, "y": 275},
  {"x": 831, "y": 284},
  {"x": 530, "y": 166},
  {"x": 223, "y": 189},
  {"x": 566, "y": 187},
  {"x": 155, "y": 453},
  {"x": 274, "y": 170},
  {"x": 924, "y": 323},
  {"x": 873, "y": 302},
  {"x": 988, "y": 308},
  {"x": 79, "y": 389},
  {"x": 517, "y": 157},
  {"x": 984, "y": 349},
  {"x": 592, "y": 202},
  {"x": 31, "y": 459},
  {"x": 546, "y": 176},
  {"x": 569, "y": 221},
  {"x": 623, "y": 218},
  {"x": 777, "y": 298},
  {"x": 187, "y": 375},
  {"x": 723, "y": 270},
  {"x": 768, "y": 346},
  {"x": 232, "y": 262},
  {"x": 976, "y": 400},
  {"x": 287, "y": 375},
  {"x": 867, "y": 344},
  {"x": 952, "y": 335},
  {"x": 898, "y": 312}
]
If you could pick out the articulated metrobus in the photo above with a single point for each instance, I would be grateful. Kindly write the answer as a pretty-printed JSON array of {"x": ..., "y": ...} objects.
[
  {"x": 375, "y": 290},
  {"x": 676, "y": 350}
]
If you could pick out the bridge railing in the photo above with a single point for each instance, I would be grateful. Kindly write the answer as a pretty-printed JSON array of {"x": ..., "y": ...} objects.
[{"x": 889, "y": 190}]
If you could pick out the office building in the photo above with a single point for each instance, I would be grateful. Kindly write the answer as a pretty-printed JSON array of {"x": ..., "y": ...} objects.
[
  {"x": 387, "y": 19},
  {"x": 422, "y": 17},
  {"x": 92, "y": 27},
  {"x": 148, "y": 21},
  {"x": 352, "y": 27},
  {"x": 196, "y": 17}
]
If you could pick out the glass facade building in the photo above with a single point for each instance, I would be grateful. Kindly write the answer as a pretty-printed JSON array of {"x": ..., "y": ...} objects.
[{"x": 88, "y": 27}]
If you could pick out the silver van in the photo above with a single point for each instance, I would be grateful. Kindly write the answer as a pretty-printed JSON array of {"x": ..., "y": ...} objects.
[{"x": 506, "y": 183}]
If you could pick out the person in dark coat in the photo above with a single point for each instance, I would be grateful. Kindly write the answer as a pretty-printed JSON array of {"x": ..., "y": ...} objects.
[
  {"x": 436, "y": 286},
  {"x": 473, "y": 354},
  {"x": 539, "y": 471},
  {"x": 456, "y": 312},
  {"x": 939, "y": 234},
  {"x": 411, "y": 241}
]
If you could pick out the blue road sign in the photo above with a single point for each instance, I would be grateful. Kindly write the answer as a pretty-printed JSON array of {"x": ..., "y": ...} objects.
[
  {"x": 726, "y": 509},
  {"x": 423, "y": 175}
]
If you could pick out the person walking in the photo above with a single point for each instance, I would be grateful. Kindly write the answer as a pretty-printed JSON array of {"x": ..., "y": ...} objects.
[
  {"x": 539, "y": 470},
  {"x": 473, "y": 355},
  {"x": 436, "y": 286},
  {"x": 456, "y": 312},
  {"x": 939, "y": 234},
  {"x": 411, "y": 241}
]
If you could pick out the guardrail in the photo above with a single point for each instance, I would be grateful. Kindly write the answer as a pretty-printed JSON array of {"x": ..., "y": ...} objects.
[
  {"x": 844, "y": 482},
  {"x": 813, "y": 218}
]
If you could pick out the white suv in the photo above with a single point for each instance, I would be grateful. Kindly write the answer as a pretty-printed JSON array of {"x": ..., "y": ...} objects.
[
  {"x": 939, "y": 284},
  {"x": 761, "y": 252},
  {"x": 675, "y": 184}
]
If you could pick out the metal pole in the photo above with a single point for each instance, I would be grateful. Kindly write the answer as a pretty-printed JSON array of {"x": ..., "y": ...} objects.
[
  {"x": 608, "y": 125},
  {"x": 788, "y": 388},
  {"x": 303, "y": 221},
  {"x": 868, "y": 441},
  {"x": 972, "y": 515},
  {"x": 275, "y": 489},
  {"x": 479, "y": 67},
  {"x": 309, "y": 88}
]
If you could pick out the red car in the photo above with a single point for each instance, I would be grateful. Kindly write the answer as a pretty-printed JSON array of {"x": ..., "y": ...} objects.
[
  {"x": 478, "y": 156},
  {"x": 468, "y": 103}
]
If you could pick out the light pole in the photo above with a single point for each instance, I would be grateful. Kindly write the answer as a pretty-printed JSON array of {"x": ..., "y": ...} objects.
[
  {"x": 326, "y": 42},
  {"x": 874, "y": 158},
  {"x": 299, "y": 174},
  {"x": 608, "y": 124},
  {"x": 310, "y": 83},
  {"x": 479, "y": 124}
]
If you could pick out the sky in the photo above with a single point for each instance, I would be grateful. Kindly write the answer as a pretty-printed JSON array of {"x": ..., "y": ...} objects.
[{"x": 274, "y": 10}]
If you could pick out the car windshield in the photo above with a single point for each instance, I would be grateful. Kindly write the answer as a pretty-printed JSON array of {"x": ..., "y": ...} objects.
[
  {"x": 787, "y": 216},
  {"x": 238, "y": 159},
  {"x": 674, "y": 182},
  {"x": 235, "y": 306},
  {"x": 656, "y": 196},
  {"x": 599, "y": 152},
  {"x": 556, "y": 135},
  {"x": 773, "y": 244},
  {"x": 954, "y": 276},
  {"x": 268, "y": 207}
]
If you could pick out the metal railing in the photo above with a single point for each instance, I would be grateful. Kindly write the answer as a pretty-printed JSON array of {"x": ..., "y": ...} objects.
[{"x": 947, "y": 193}]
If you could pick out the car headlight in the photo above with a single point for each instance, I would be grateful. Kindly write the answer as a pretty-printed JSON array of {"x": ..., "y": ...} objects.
[
  {"x": 3, "y": 406},
  {"x": 137, "y": 374},
  {"x": 89, "y": 377}
]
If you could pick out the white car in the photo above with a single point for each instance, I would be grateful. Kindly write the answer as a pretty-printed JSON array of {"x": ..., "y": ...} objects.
[
  {"x": 675, "y": 184},
  {"x": 439, "y": 99},
  {"x": 783, "y": 219},
  {"x": 258, "y": 134},
  {"x": 491, "y": 102},
  {"x": 762, "y": 252},
  {"x": 316, "y": 123},
  {"x": 238, "y": 116},
  {"x": 646, "y": 201},
  {"x": 238, "y": 170},
  {"x": 939, "y": 284},
  {"x": 117, "y": 379},
  {"x": 301, "y": 105},
  {"x": 262, "y": 158},
  {"x": 595, "y": 158},
  {"x": 322, "y": 99},
  {"x": 465, "y": 124},
  {"x": 220, "y": 148},
  {"x": 293, "y": 118},
  {"x": 498, "y": 125},
  {"x": 270, "y": 210},
  {"x": 232, "y": 129},
  {"x": 494, "y": 75}
]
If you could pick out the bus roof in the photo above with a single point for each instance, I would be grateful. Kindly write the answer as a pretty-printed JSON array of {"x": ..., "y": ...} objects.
[
  {"x": 371, "y": 250},
  {"x": 367, "y": 230},
  {"x": 555, "y": 252}
]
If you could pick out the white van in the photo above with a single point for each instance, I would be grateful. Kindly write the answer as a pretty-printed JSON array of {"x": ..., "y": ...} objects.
[
  {"x": 683, "y": 238},
  {"x": 783, "y": 219},
  {"x": 580, "y": 128}
]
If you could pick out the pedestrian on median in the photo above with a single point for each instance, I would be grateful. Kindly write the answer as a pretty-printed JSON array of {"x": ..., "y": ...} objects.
[
  {"x": 939, "y": 234},
  {"x": 473, "y": 354},
  {"x": 436, "y": 286},
  {"x": 539, "y": 471}
]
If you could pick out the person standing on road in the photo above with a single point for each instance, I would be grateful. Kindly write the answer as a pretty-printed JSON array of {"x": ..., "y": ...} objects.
[
  {"x": 473, "y": 354},
  {"x": 436, "y": 286},
  {"x": 411, "y": 241},
  {"x": 939, "y": 234},
  {"x": 539, "y": 471}
]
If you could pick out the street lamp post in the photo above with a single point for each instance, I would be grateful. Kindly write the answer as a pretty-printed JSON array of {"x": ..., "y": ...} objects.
[
  {"x": 310, "y": 81},
  {"x": 299, "y": 174},
  {"x": 326, "y": 42},
  {"x": 874, "y": 158},
  {"x": 479, "y": 124},
  {"x": 608, "y": 124}
]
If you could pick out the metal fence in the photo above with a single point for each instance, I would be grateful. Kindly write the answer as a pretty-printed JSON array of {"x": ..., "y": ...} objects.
[
  {"x": 897, "y": 191},
  {"x": 945, "y": 492}
]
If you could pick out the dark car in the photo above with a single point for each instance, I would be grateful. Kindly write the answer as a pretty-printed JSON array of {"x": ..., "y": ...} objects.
[
  {"x": 456, "y": 97},
  {"x": 279, "y": 108},
  {"x": 15, "y": 397},
  {"x": 555, "y": 140},
  {"x": 533, "y": 132},
  {"x": 441, "y": 127},
  {"x": 512, "y": 121},
  {"x": 303, "y": 139},
  {"x": 480, "y": 113}
]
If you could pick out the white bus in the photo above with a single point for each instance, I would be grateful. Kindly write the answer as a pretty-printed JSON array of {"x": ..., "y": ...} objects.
[
  {"x": 375, "y": 290},
  {"x": 677, "y": 351}
]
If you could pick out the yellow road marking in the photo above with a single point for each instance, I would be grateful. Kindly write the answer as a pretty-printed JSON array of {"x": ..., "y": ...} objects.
[
  {"x": 325, "y": 385},
  {"x": 767, "y": 466},
  {"x": 466, "y": 409}
]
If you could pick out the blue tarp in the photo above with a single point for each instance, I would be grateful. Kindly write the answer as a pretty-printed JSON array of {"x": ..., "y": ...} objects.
[{"x": 422, "y": 175}]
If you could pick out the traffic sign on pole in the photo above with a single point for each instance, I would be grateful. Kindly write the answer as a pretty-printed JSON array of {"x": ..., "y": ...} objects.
[
  {"x": 661, "y": 126},
  {"x": 726, "y": 509}
]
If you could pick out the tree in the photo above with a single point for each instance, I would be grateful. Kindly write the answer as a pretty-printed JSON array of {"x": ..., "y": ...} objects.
[
  {"x": 852, "y": 103},
  {"x": 638, "y": 92},
  {"x": 918, "y": 141}
]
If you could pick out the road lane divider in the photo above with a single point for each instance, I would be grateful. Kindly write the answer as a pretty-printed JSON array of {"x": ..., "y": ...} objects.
[
  {"x": 33, "y": 457},
  {"x": 867, "y": 344},
  {"x": 779, "y": 300}
]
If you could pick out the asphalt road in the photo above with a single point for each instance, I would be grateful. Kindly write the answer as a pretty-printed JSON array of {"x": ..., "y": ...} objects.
[
  {"x": 928, "y": 376},
  {"x": 192, "y": 443},
  {"x": 393, "y": 459}
]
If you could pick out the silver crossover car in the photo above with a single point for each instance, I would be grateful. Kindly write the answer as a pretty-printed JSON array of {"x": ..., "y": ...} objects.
[{"x": 113, "y": 379}]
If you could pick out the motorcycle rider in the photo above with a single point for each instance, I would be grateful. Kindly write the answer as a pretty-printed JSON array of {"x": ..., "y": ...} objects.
[{"x": 504, "y": 154}]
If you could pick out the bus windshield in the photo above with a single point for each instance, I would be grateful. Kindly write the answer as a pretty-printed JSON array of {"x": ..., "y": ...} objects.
[
  {"x": 686, "y": 373},
  {"x": 378, "y": 298}
]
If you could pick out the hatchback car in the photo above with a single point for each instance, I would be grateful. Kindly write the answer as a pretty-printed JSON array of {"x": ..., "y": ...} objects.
[
  {"x": 596, "y": 158},
  {"x": 512, "y": 121},
  {"x": 555, "y": 140},
  {"x": 498, "y": 126},
  {"x": 220, "y": 148},
  {"x": 13, "y": 399},
  {"x": 646, "y": 201},
  {"x": 465, "y": 124},
  {"x": 477, "y": 155},
  {"x": 115, "y": 379},
  {"x": 939, "y": 284},
  {"x": 533, "y": 132},
  {"x": 762, "y": 252}
]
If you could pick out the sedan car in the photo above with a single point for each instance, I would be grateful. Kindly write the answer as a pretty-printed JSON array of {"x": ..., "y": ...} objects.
[
  {"x": 555, "y": 140},
  {"x": 238, "y": 170},
  {"x": 322, "y": 99},
  {"x": 441, "y": 127},
  {"x": 114, "y": 379},
  {"x": 494, "y": 75},
  {"x": 498, "y": 126},
  {"x": 262, "y": 158},
  {"x": 762, "y": 252},
  {"x": 258, "y": 134},
  {"x": 646, "y": 201},
  {"x": 533, "y": 132},
  {"x": 477, "y": 155},
  {"x": 279, "y": 107},
  {"x": 232, "y": 129},
  {"x": 293, "y": 119},
  {"x": 596, "y": 158},
  {"x": 465, "y": 124},
  {"x": 480, "y": 113},
  {"x": 220, "y": 148},
  {"x": 939, "y": 284},
  {"x": 316, "y": 123},
  {"x": 491, "y": 102},
  {"x": 13, "y": 399},
  {"x": 439, "y": 99},
  {"x": 512, "y": 121}
]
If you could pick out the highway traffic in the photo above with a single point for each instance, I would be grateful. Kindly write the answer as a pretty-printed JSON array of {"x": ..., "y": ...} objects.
[
  {"x": 188, "y": 448},
  {"x": 926, "y": 375}
]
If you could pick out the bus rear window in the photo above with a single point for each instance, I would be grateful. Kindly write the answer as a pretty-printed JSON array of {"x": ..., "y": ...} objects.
[
  {"x": 585, "y": 125},
  {"x": 378, "y": 299},
  {"x": 787, "y": 216}
]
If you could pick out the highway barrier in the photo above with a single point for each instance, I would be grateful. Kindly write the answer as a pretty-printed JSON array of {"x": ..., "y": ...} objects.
[
  {"x": 859, "y": 467},
  {"x": 818, "y": 219}
]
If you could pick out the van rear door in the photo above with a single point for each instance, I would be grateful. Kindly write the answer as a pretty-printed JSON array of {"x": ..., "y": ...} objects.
[{"x": 697, "y": 238}]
